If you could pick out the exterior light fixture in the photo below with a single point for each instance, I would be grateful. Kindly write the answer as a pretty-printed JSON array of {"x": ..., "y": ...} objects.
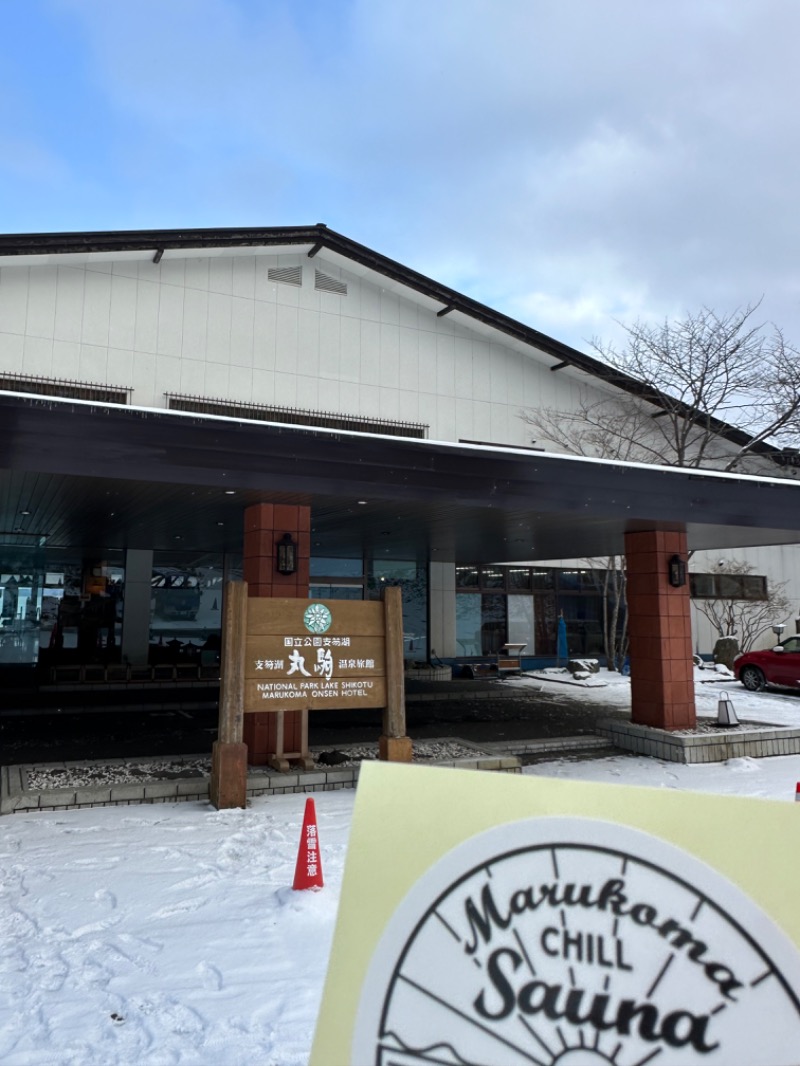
[
  {"x": 726, "y": 715},
  {"x": 287, "y": 555},
  {"x": 677, "y": 572}
]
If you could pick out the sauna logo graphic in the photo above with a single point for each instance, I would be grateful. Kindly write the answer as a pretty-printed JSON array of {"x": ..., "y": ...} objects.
[{"x": 570, "y": 942}]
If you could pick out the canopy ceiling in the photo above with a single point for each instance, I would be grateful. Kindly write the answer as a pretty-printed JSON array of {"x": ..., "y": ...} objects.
[{"x": 100, "y": 476}]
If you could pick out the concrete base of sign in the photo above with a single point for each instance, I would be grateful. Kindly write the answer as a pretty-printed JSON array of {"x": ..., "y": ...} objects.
[
  {"x": 228, "y": 785},
  {"x": 395, "y": 749}
]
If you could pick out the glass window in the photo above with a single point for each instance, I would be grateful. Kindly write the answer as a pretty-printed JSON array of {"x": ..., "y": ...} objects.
[
  {"x": 185, "y": 607},
  {"x": 701, "y": 586},
  {"x": 520, "y": 622},
  {"x": 578, "y": 580},
  {"x": 467, "y": 577},
  {"x": 519, "y": 579},
  {"x": 546, "y": 621},
  {"x": 754, "y": 587},
  {"x": 328, "y": 567},
  {"x": 583, "y": 615},
  {"x": 413, "y": 582},
  {"x": 335, "y": 592},
  {"x": 569, "y": 580},
  {"x": 728, "y": 586},
  {"x": 542, "y": 578},
  {"x": 494, "y": 631},
  {"x": 493, "y": 578},
  {"x": 468, "y": 625}
]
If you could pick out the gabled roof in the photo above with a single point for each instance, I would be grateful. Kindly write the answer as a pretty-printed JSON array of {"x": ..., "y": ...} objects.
[{"x": 314, "y": 239}]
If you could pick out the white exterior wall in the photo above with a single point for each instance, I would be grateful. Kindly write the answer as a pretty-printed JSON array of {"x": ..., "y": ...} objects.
[
  {"x": 780, "y": 563},
  {"x": 218, "y": 327}
]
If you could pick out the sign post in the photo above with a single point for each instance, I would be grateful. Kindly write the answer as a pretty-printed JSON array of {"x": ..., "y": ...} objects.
[
  {"x": 228, "y": 785},
  {"x": 291, "y": 654},
  {"x": 394, "y": 745}
]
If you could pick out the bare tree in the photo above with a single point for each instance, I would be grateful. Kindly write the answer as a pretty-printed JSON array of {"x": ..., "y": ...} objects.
[
  {"x": 702, "y": 391},
  {"x": 706, "y": 390},
  {"x": 610, "y": 579},
  {"x": 745, "y": 619}
]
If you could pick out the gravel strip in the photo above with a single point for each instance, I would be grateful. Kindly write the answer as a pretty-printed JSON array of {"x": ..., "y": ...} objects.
[{"x": 42, "y": 778}]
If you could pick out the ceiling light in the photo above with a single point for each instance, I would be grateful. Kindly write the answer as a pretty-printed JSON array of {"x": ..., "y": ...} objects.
[
  {"x": 230, "y": 492},
  {"x": 24, "y": 512},
  {"x": 362, "y": 503}
]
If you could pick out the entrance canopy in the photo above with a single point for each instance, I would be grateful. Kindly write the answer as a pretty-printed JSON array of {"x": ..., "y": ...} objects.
[{"x": 108, "y": 476}]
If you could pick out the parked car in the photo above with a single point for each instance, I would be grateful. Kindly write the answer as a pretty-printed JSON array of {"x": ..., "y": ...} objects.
[{"x": 776, "y": 666}]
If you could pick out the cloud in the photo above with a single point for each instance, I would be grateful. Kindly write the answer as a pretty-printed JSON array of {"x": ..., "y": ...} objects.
[{"x": 568, "y": 161}]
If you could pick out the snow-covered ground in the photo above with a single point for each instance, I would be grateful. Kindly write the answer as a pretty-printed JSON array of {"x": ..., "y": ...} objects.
[{"x": 171, "y": 935}]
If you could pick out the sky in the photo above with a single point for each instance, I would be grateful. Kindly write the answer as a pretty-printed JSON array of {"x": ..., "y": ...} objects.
[{"x": 573, "y": 163}]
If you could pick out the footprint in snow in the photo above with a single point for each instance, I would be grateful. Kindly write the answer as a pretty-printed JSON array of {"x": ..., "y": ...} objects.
[
  {"x": 105, "y": 895},
  {"x": 184, "y": 907},
  {"x": 210, "y": 976}
]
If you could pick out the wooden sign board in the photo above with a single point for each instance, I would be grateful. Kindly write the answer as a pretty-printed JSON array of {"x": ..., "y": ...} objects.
[
  {"x": 296, "y": 655},
  {"x": 319, "y": 654}
]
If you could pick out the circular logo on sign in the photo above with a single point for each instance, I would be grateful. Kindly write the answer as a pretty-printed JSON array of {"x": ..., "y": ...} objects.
[
  {"x": 570, "y": 942},
  {"x": 317, "y": 618}
]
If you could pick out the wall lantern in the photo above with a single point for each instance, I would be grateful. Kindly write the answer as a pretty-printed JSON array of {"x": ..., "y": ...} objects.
[
  {"x": 677, "y": 572},
  {"x": 287, "y": 555}
]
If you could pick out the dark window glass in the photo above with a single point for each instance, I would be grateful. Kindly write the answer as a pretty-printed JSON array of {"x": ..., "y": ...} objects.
[
  {"x": 466, "y": 577},
  {"x": 413, "y": 581},
  {"x": 542, "y": 579},
  {"x": 493, "y": 578},
  {"x": 728, "y": 586},
  {"x": 519, "y": 579},
  {"x": 324, "y": 567},
  {"x": 754, "y": 587},
  {"x": 494, "y": 632},
  {"x": 335, "y": 592},
  {"x": 569, "y": 580},
  {"x": 468, "y": 625},
  {"x": 583, "y": 616},
  {"x": 701, "y": 586},
  {"x": 546, "y": 623}
]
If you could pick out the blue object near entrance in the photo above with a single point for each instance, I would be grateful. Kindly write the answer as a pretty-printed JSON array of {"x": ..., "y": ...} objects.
[{"x": 562, "y": 651}]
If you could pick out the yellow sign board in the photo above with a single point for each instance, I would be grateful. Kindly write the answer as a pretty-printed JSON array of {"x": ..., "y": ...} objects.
[{"x": 490, "y": 918}]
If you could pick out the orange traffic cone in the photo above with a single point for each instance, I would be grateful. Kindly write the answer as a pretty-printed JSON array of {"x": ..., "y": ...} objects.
[{"x": 308, "y": 871}]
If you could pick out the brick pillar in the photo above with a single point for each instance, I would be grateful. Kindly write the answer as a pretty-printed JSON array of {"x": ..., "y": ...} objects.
[
  {"x": 264, "y": 525},
  {"x": 659, "y": 622}
]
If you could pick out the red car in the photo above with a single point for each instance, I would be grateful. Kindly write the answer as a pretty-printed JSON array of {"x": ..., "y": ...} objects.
[{"x": 777, "y": 666}]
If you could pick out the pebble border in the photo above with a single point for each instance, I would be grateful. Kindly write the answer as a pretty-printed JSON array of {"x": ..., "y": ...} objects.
[{"x": 17, "y": 798}]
